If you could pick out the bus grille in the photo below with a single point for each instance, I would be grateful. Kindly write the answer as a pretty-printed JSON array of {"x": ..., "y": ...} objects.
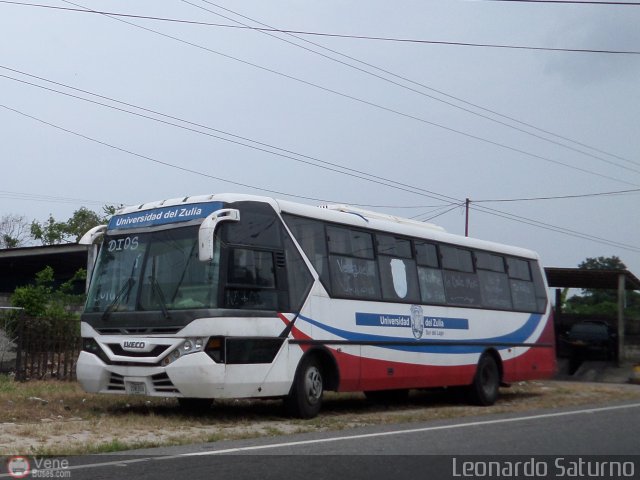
[
  {"x": 139, "y": 331},
  {"x": 116, "y": 383},
  {"x": 162, "y": 383},
  {"x": 118, "y": 350}
]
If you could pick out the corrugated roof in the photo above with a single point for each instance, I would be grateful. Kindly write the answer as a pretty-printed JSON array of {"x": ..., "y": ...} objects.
[{"x": 584, "y": 278}]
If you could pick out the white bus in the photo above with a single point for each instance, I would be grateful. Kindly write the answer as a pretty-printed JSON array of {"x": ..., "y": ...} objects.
[{"x": 231, "y": 296}]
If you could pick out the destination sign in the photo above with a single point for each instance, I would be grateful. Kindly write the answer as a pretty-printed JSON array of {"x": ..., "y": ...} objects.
[{"x": 163, "y": 216}]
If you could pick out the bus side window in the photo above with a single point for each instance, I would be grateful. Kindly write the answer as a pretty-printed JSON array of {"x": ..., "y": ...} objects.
[
  {"x": 461, "y": 283},
  {"x": 538, "y": 284},
  {"x": 299, "y": 278},
  {"x": 429, "y": 273},
  {"x": 251, "y": 280},
  {"x": 398, "y": 274},
  {"x": 252, "y": 268},
  {"x": 494, "y": 282},
  {"x": 522, "y": 289},
  {"x": 354, "y": 272},
  {"x": 311, "y": 236},
  {"x": 431, "y": 285}
]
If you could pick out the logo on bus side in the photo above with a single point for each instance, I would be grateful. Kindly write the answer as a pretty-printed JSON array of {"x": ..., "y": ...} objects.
[
  {"x": 421, "y": 325},
  {"x": 417, "y": 321}
]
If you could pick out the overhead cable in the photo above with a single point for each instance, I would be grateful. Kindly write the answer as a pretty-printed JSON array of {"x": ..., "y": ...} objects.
[{"x": 188, "y": 170}]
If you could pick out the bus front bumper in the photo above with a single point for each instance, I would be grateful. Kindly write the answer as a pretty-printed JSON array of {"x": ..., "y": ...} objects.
[{"x": 194, "y": 375}]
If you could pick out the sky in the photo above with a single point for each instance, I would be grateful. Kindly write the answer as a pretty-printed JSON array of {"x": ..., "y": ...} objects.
[{"x": 406, "y": 128}]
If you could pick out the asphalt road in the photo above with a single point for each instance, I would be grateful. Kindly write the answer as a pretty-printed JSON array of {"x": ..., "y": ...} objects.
[{"x": 552, "y": 442}]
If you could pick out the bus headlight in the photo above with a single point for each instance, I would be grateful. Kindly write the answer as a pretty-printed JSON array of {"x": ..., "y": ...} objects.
[
  {"x": 189, "y": 345},
  {"x": 90, "y": 345}
]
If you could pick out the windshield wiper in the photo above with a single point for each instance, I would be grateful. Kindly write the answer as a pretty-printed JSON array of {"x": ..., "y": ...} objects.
[
  {"x": 124, "y": 291},
  {"x": 155, "y": 288}
]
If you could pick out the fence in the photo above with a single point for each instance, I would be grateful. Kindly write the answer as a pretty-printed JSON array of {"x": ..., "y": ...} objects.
[{"x": 44, "y": 349}]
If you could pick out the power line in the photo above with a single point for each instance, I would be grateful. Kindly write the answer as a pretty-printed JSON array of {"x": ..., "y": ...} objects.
[
  {"x": 469, "y": 202},
  {"x": 188, "y": 170},
  {"x": 406, "y": 87},
  {"x": 51, "y": 198},
  {"x": 34, "y": 197},
  {"x": 498, "y": 213},
  {"x": 291, "y": 33},
  {"x": 286, "y": 194},
  {"x": 431, "y": 214},
  {"x": 387, "y": 109},
  {"x": 585, "y": 2},
  {"x": 413, "y": 82},
  {"x": 154, "y": 160},
  {"x": 561, "y": 197},
  {"x": 262, "y": 147},
  {"x": 421, "y": 85},
  {"x": 555, "y": 228},
  {"x": 428, "y": 219},
  {"x": 372, "y": 104},
  {"x": 327, "y": 34}
]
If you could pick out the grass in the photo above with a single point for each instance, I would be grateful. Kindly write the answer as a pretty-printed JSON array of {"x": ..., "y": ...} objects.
[{"x": 58, "y": 418}]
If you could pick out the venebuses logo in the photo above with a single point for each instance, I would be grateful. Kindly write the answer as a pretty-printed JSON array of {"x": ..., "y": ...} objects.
[{"x": 18, "y": 467}]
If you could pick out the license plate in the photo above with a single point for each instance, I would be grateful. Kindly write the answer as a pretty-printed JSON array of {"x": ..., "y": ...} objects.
[{"x": 136, "y": 388}]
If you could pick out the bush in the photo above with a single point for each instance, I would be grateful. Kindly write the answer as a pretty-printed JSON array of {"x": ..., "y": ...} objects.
[{"x": 46, "y": 306}]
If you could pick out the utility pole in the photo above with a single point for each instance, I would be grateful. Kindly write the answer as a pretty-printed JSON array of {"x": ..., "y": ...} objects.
[{"x": 466, "y": 217}]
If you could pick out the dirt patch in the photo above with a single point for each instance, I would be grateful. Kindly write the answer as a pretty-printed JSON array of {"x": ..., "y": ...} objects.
[{"x": 58, "y": 418}]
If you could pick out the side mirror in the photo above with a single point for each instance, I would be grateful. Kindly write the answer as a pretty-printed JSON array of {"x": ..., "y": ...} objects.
[
  {"x": 92, "y": 235},
  {"x": 208, "y": 227}
]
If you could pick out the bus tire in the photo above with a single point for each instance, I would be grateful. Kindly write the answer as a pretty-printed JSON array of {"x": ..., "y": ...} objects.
[
  {"x": 195, "y": 405},
  {"x": 305, "y": 398},
  {"x": 486, "y": 383}
]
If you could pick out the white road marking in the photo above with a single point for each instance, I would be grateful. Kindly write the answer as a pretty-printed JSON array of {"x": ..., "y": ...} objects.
[{"x": 124, "y": 463}]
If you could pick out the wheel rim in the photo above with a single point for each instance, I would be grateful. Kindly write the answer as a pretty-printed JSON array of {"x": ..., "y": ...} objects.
[{"x": 313, "y": 385}]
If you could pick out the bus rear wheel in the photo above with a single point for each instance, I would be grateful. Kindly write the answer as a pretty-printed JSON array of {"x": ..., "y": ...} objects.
[
  {"x": 486, "y": 383},
  {"x": 305, "y": 398}
]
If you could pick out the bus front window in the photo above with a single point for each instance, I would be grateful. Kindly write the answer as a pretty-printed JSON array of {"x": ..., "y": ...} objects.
[{"x": 157, "y": 271}]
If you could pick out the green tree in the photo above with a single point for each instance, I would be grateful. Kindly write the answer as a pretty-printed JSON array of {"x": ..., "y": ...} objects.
[
  {"x": 53, "y": 232},
  {"x": 82, "y": 221},
  {"x": 602, "y": 301},
  {"x": 50, "y": 232},
  {"x": 603, "y": 263}
]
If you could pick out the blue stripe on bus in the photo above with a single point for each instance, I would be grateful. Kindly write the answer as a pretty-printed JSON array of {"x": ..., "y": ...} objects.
[{"x": 518, "y": 336}]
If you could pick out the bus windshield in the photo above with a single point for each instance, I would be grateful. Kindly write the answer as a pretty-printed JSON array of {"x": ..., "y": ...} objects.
[{"x": 153, "y": 271}]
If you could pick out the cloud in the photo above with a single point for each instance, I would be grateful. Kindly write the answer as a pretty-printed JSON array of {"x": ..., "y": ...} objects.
[{"x": 612, "y": 29}]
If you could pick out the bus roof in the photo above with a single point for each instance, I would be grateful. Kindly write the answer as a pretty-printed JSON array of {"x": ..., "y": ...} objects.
[
  {"x": 397, "y": 225},
  {"x": 343, "y": 214}
]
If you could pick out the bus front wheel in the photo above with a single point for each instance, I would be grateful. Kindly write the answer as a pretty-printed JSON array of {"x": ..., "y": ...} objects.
[
  {"x": 486, "y": 384},
  {"x": 305, "y": 398}
]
